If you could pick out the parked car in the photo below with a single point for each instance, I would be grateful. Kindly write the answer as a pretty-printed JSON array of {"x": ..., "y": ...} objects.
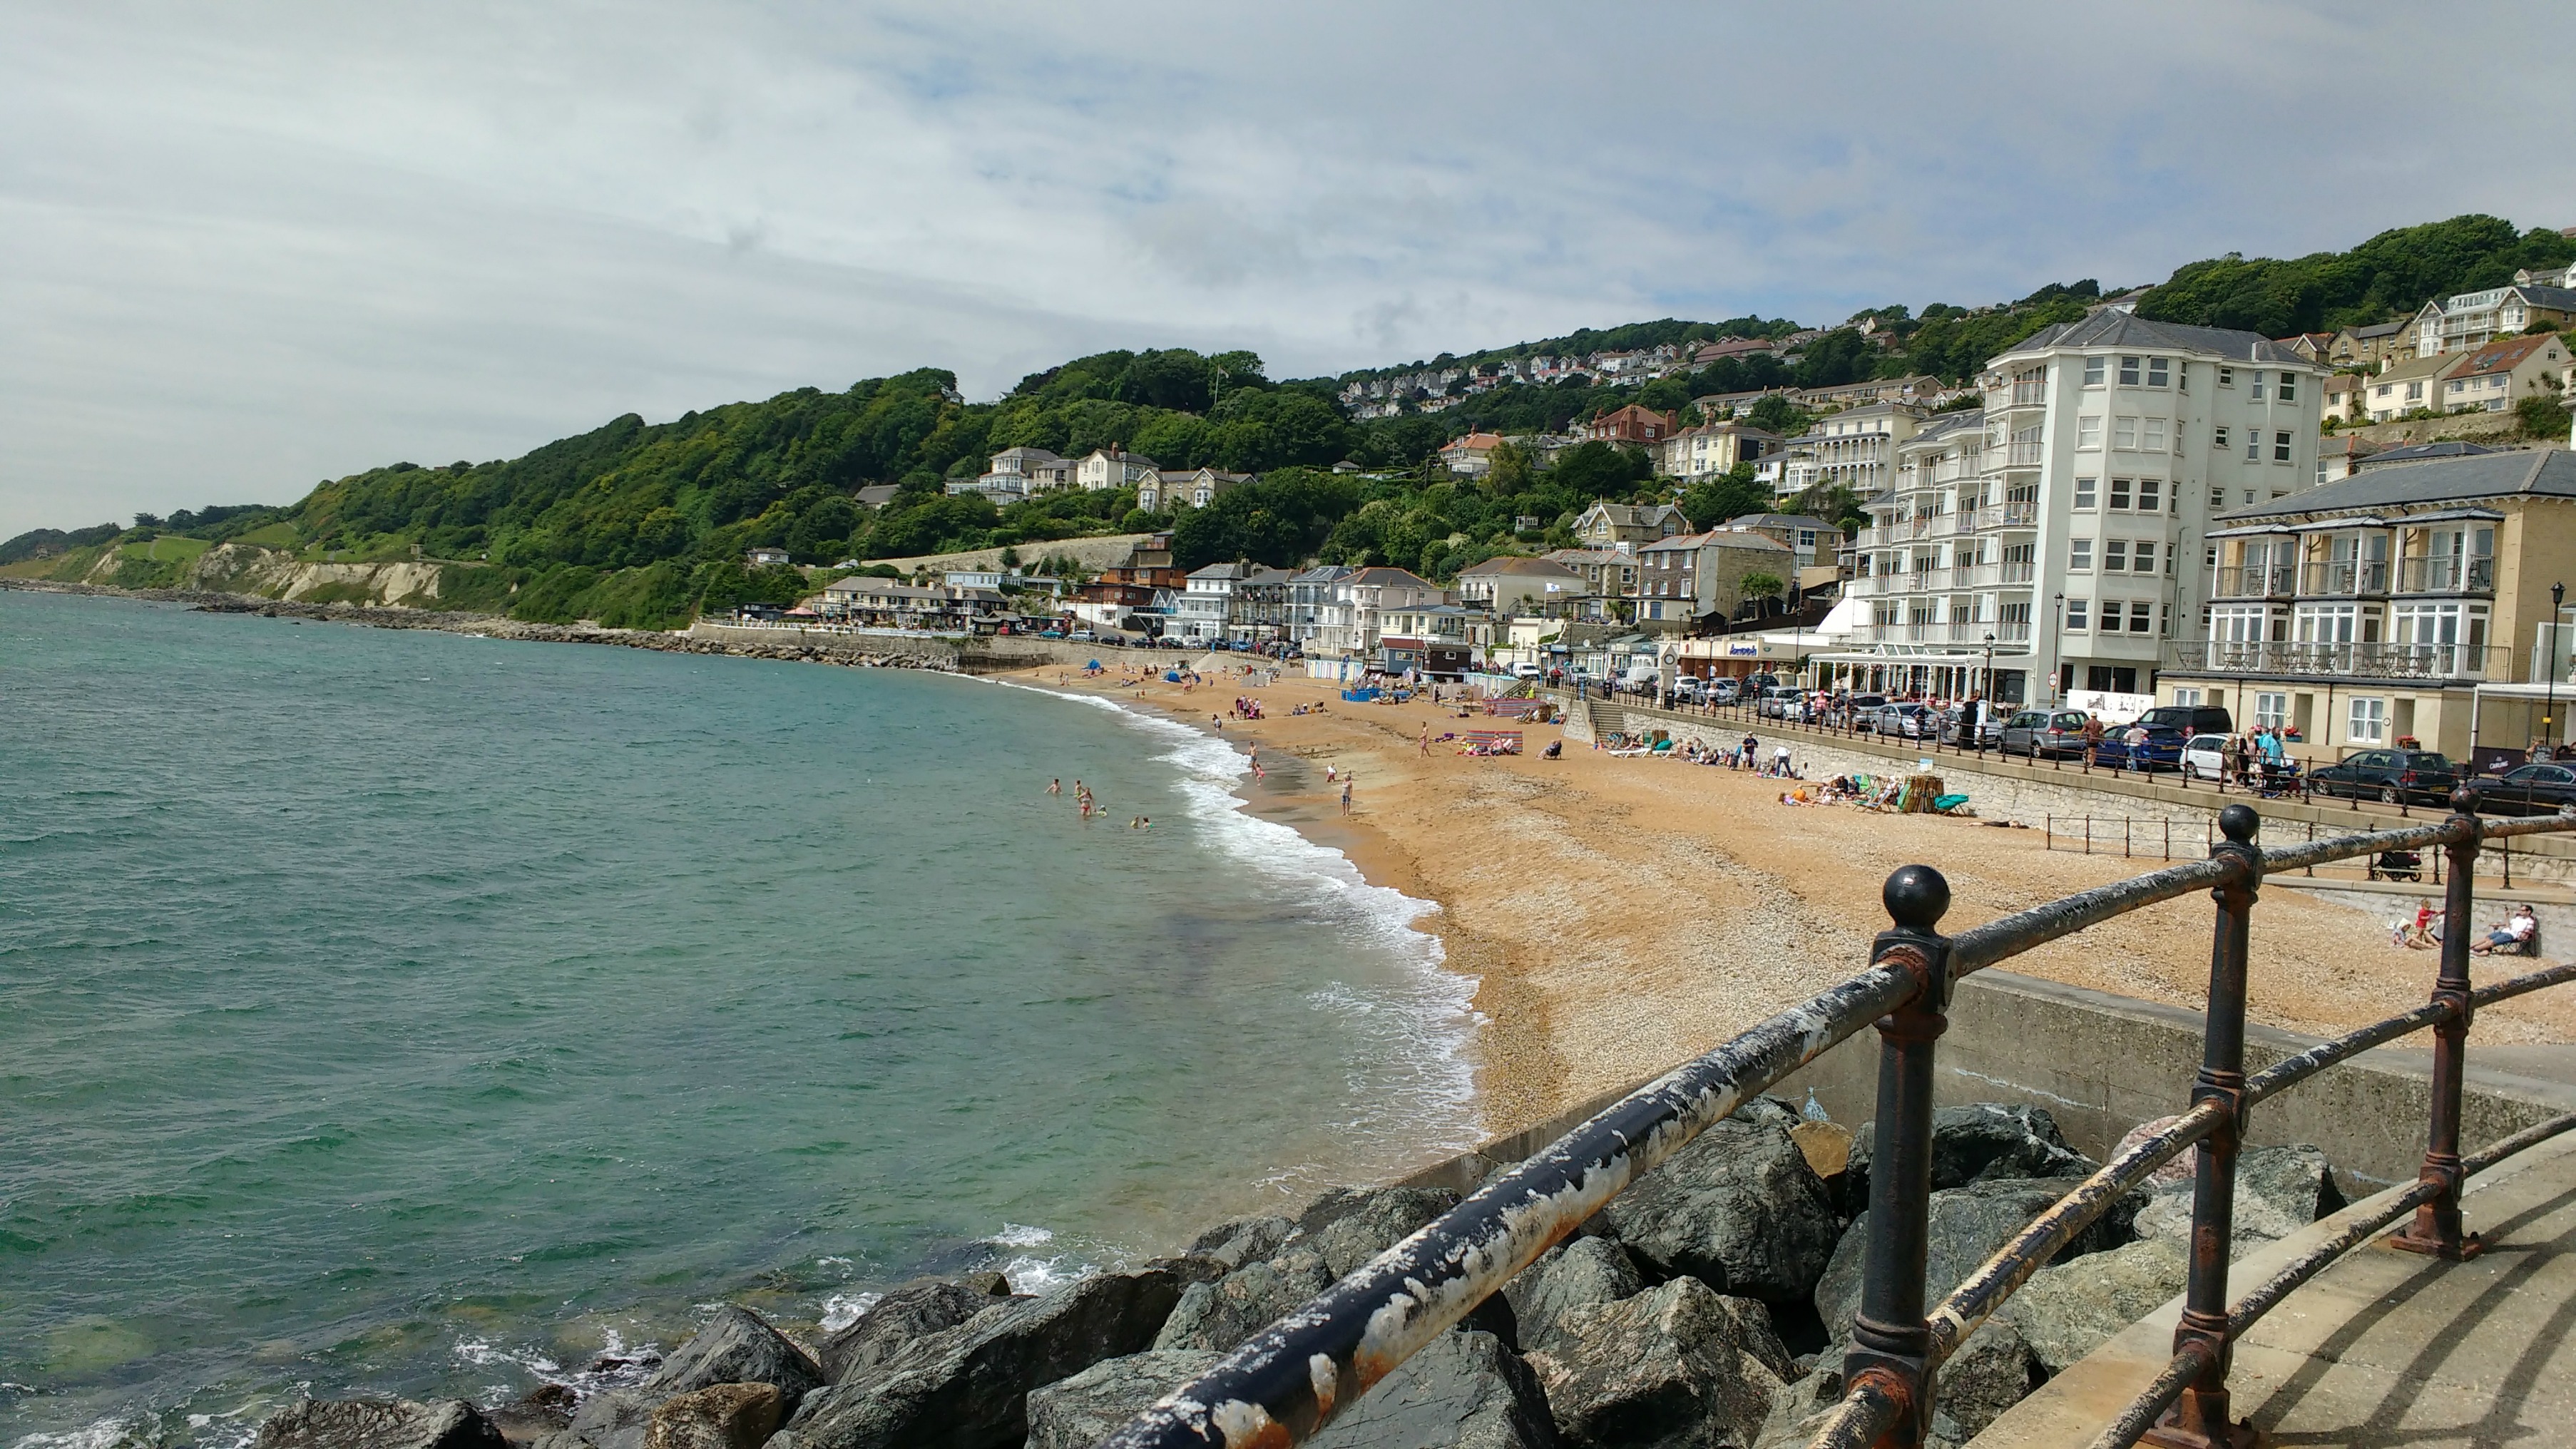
[
  {"x": 2204, "y": 757},
  {"x": 2539, "y": 788},
  {"x": 1525, "y": 670},
  {"x": 1901, "y": 721},
  {"x": 2390, "y": 776},
  {"x": 1779, "y": 702},
  {"x": 1083, "y": 636},
  {"x": 1990, "y": 725},
  {"x": 2037, "y": 732},
  {"x": 1723, "y": 691},
  {"x": 2160, "y": 750},
  {"x": 2191, "y": 719}
]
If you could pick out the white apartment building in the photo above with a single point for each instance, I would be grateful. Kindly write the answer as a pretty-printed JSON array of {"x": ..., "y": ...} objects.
[
  {"x": 2069, "y": 521},
  {"x": 1854, "y": 448},
  {"x": 1351, "y": 622},
  {"x": 2473, "y": 319},
  {"x": 1714, "y": 448}
]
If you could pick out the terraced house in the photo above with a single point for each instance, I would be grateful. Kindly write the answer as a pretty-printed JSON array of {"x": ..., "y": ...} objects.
[{"x": 2411, "y": 601}]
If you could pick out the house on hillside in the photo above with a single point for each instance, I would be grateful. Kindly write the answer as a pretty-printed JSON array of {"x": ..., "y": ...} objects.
[
  {"x": 1854, "y": 448},
  {"x": 1609, "y": 525},
  {"x": 1168, "y": 488},
  {"x": 1351, "y": 623},
  {"x": 2493, "y": 378},
  {"x": 1712, "y": 449},
  {"x": 2473, "y": 319},
  {"x": 767, "y": 558},
  {"x": 1684, "y": 579},
  {"x": 1506, "y": 586},
  {"x": 2366, "y": 346},
  {"x": 1106, "y": 468},
  {"x": 1631, "y": 424},
  {"x": 2400, "y": 388},
  {"x": 1471, "y": 456}
]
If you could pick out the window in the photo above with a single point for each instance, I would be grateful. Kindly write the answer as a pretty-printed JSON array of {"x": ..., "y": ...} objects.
[
  {"x": 2289, "y": 387},
  {"x": 2253, "y": 447},
  {"x": 2150, "y": 494},
  {"x": 2142, "y": 617},
  {"x": 2086, "y": 487},
  {"x": 2280, "y": 447},
  {"x": 2218, "y": 440},
  {"x": 2271, "y": 711},
  {"x": 2210, "y": 558},
  {"x": 2227, "y": 377},
  {"x": 2088, "y": 432},
  {"x": 2124, "y": 432},
  {"x": 2093, "y": 371},
  {"x": 2256, "y": 378},
  {"x": 2164, "y": 619},
  {"x": 2187, "y": 696},
  {"x": 2157, "y": 373},
  {"x": 2128, "y": 372},
  {"x": 2115, "y": 555},
  {"x": 2079, "y": 555},
  {"x": 2146, "y": 553},
  {"x": 2075, "y": 611},
  {"x": 2120, "y": 494},
  {"x": 2369, "y": 722},
  {"x": 2153, "y": 437},
  {"x": 2218, "y": 498}
]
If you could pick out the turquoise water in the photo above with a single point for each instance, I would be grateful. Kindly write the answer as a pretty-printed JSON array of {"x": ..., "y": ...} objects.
[{"x": 401, "y": 1012}]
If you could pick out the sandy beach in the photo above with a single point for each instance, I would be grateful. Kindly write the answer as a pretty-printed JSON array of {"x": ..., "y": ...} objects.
[{"x": 1620, "y": 915}]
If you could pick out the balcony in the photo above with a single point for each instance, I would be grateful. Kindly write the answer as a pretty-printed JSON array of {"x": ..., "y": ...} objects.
[
  {"x": 2022, "y": 455},
  {"x": 2016, "y": 571},
  {"x": 2278, "y": 581},
  {"x": 2344, "y": 577},
  {"x": 2013, "y": 631},
  {"x": 2360, "y": 661},
  {"x": 2446, "y": 575}
]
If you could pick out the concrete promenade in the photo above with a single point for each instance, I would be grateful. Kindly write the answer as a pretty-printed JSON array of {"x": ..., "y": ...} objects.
[{"x": 2383, "y": 1350}]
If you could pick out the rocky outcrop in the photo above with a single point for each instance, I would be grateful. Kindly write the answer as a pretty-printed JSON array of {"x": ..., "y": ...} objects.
[
  {"x": 379, "y": 1424},
  {"x": 1570, "y": 1275},
  {"x": 1464, "y": 1390},
  {"x": 1739, "y": 1209},
  {"x": 1078, "y": 1412},
  {"x": 1244, "y": 1240},
  {"x": 2279, "y": 1190},
  {"x": 1967, "y": 1225},
  {"x": 967, "y": 1387},
  {"x": 1676, "y": 1367},
  {"x": 736, "y": 1347},
  {"x": 724, "y": 1416},
  {"x": 1976, "y": 1143},
  {"x": 915, "y": 1310},
  {"x": 1217, "y": 1316},
  {"x": 2067, "y": 1311},
  {"x": 1990, "y": 1373},
  {"x": 1347, "y": 1229}
]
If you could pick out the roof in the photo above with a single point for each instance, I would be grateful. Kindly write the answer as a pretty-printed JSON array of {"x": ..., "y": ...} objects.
[
  {"x": 2541, "y": 473},
  {"x": 1218, "y": 571},
  {"x": 2112, "y": 328},
  {"x": 1487, "y": 441},
  {"x": 878, "y": 495},
  {"x": 2506, "y": 355},
  {"x": 1121, "y": 457},
  {"x": 1382, "y": 575},
  {"x": 1514, "y": 564},
  {"x": 1942, "y": 425},
  {"x": 2378, "y": 329},
  {"x": 1780, "y": 520},
  {"x": 2427, "y": 452},
  {"x": 1715, "y": 538},
  {"x": 2557, "y": 299},
  {"x": 2416, "y": 367},
  {"x": 1633, "y": 512}
]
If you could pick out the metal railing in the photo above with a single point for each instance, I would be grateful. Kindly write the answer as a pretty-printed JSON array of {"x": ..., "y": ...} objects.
[
  {"x": 2370, "y": 661},
  {"x": 2448, "y": 574},
  {"x": 1291, "y": 1378},
  {"x": 2256, "y": 582},
  {"x": 2354, "y": 576}
]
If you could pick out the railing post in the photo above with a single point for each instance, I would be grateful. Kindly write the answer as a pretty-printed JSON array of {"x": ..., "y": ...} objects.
[
  {"x": 2436, "y": 1229},
  {"x": 2199, "y": 1420},
  {"x": 1889, "y": 1340}
]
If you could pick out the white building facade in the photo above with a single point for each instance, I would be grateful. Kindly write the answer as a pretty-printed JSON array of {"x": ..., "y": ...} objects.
[{"x": 2068, "y": 522}]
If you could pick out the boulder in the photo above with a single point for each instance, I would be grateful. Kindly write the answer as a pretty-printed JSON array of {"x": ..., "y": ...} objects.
[
  {"x": 2067, "y": 1311},
  {"x": 1827, "y": 1147},
  {"x": 2279, "y": 1190},
  {"x": 1675, "y": 1367},
  {"x": 735, "y": 1347},
  {"x": 1990, "y": 1373},
  {"x": 616, "y": 1419},
  {"x": 1372, "y": 1223},
  {"x": 1976, "y": 1143},
  {"x": 1079, "y": 1412},
  {"x": 967, "y": 1387},
  {"x": 1586, "y": 1270},
  {"x": 1967, "y": 1225},
  {"x": 378, "y": 1424},
  {"x": 1244, "y": 1240},
  {"x": 1739, "y": 1208},
  {"x": 1464, "y": 1390},
  {"x": 1217, "y": 1316},
  {"x": 543, "y": 1410},
  {"x": 912, "y": 1311},
  {"x": 1800, "y": 1411},
  {"x": 726, "y": 1416}
]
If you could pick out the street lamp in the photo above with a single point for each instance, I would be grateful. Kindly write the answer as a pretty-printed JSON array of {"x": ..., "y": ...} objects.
[
  {"x": 1985, "y": 700},
  {"x": 2549, "y": 712}
]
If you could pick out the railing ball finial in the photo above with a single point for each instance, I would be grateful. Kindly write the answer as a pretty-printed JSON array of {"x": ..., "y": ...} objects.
[
  {"x": 1916, "y": 897},
  {"x": 2238, "y": 823},
  {"x": 2464, "y": 800}
]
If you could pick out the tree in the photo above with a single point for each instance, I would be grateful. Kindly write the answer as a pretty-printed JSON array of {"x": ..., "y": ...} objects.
[
  {"x": 1712, "y": 500},
  {"x": 1761, "y": 586},
  {"x": 2543, "y": 416},
  {"x": 1774, "y": 413}
]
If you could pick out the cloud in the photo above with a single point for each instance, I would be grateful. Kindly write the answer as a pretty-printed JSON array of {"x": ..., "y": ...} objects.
[{"x": 245, "y": 247}]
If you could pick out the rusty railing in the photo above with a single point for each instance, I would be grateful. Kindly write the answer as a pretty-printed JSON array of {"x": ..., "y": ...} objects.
[{"x": 1287, "y": 1381}]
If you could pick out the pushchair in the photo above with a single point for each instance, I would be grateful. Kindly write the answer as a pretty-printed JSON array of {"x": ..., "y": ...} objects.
[{"x": 2397, "y": 865}]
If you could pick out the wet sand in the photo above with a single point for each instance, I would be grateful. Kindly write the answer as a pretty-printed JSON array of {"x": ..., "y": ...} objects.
[{"x": 1621, "y": 915}]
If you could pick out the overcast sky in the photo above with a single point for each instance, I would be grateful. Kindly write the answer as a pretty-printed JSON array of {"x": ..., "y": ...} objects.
[{"x": 247, "y": 246}]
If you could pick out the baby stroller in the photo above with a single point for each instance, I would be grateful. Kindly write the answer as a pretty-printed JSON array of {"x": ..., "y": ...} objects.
[{"x": 2397, "y": 865}]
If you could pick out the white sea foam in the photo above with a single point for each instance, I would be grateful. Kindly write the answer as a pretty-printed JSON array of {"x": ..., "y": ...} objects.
[{"x": 840, "y": 1310}]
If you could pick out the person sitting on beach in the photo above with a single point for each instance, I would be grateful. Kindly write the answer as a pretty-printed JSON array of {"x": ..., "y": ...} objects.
[{"x": 2510, "y": 934}]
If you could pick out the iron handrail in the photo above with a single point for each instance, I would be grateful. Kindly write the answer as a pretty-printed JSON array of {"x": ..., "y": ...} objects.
[{"x": 1291, "y": 1378}]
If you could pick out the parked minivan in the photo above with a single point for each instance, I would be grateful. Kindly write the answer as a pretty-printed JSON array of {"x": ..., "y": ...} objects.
[{"x": 2037, "y": 732}]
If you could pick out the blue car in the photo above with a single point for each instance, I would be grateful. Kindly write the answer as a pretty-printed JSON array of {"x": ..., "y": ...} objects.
[{"x": 2160, "y": 750}]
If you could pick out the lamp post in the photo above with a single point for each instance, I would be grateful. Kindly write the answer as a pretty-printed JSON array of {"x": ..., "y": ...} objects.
[
  {"x": 1985, "y": 698},
  {"x": 2056, "y": 633},
  {"x": 2549, "y": 712}
]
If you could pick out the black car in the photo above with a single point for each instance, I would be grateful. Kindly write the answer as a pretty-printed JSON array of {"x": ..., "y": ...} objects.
[
  {"x": 2538, "y": 788},
  {"x": 2390, "y": 776},
  {"x": 2191, "y": 719}
]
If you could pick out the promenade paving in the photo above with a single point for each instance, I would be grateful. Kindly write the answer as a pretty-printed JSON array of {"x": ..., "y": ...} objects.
[{"x": 2385, "y": 1349}]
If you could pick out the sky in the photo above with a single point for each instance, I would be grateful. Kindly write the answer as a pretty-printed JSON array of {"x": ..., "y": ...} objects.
[{"x": 245, "y": 247}]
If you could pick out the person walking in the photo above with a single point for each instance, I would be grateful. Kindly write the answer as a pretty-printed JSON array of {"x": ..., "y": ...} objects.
[{"x": 1346, "y": 793}]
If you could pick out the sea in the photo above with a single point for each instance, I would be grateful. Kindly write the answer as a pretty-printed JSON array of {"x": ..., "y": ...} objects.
[{"x": 398, "y": 1012}]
